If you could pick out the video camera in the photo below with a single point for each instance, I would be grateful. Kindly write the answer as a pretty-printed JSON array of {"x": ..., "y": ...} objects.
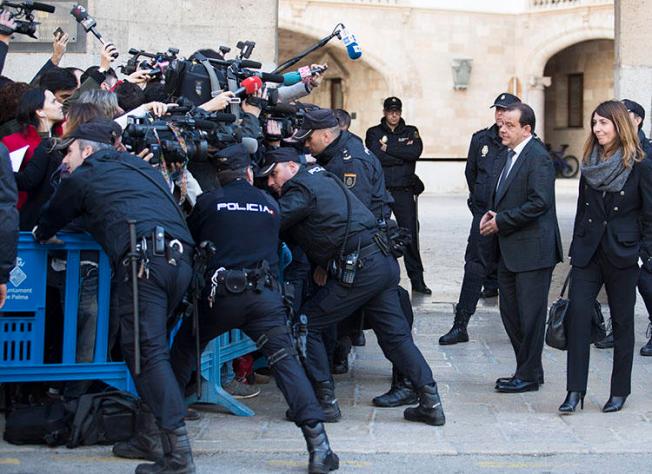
[
  {"x": 23, "y": 14},
  {"x": 280, "y": 121},
  {"x": 155, "y": 65}
]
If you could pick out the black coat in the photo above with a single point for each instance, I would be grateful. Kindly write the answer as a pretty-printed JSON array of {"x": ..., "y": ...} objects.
[
  {"x": 528, "y": 233},
  {"x": 404, "y": 147},
  {"x": 483, "y": 152},
  {"x": 8, "y": 216},
  {"x": 620, "y": 222}
]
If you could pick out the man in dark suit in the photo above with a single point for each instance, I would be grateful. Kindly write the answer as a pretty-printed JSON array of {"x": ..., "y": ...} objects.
[{"x": 524, "y": 220}]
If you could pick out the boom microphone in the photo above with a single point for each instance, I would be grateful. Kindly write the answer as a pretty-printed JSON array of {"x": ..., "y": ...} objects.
[
  {"x": 291, "y": 78},
  {"x": 351, "y": 43},
  {"x": 38, "y": 6},
  {"x": 249, "y": 86}
]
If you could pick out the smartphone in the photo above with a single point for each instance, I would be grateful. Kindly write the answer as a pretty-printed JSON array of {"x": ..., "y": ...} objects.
[{"x": 58, "y": 33}]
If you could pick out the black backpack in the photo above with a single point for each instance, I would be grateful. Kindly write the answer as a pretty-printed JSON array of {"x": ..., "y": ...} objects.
[{"x": 40, "y": 424}]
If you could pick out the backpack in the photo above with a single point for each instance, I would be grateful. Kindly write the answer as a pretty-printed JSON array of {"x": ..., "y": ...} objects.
[{"x": 40, "y": 424}]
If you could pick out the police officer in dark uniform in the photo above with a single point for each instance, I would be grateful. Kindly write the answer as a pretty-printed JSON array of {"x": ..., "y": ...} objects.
[
  {"x": 340, "y": 235},
  {"x": 242, "y": 291},
  {"x": 484, "y": 149},
  {"x": 398, "y": 147},
  {"x": 108, "y": 188},
  {"x": 344, "y": 155}
]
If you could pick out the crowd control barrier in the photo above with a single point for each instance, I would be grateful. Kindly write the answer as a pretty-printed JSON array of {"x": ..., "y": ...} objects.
[{"x": 22, "y": 327}]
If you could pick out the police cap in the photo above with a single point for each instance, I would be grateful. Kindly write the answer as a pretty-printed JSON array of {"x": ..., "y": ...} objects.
[
  {"x": 279, "y": 155},
  {"x": 315, "y": 119},
  {"x": 504, "y": 100},
  {"x": 99, "y": 130},
  {"x": 634, "y": 107},
  {"x": 233, "y": 157},
  {"x": 393, "y": 103}
]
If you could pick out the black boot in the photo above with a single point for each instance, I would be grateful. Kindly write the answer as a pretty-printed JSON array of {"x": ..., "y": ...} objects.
[
  {"x": 400, "y": 393},
  {"x": 146, "y": 443},
  {"x": 325, "y": 392},
  {"x": 177, "y": 455},
  {"x": 430, "y": 410},
  {"x": 358, "y": 339},
  {"x": 458, "y": 332},
  {"x": 571, "y": 402},
  {"x": 322, "y": 458},
  {"x": 646, "y": 350},
  {"x": 341, "y": 356},
  {"x": 419, "y": 285}
]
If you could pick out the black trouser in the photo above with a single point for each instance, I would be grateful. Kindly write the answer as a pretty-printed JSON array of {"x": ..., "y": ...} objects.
[
  {"x": 374, "y": 290},
  {"x": 405, "y": 211},
  {"x": 159, "y": 296},
  {"x": 523, "y": 306},
  {"x": 256, "y": 314},
  {"x": 585, "y": 284},
  {"x": 479, "y": 268},
  {"x": 645, "y": 289}
]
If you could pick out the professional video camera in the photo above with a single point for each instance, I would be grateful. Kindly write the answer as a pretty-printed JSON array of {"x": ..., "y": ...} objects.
[
  {"x": 23, "y": 15},
  {"x": 280, "y": 121},
  {"x": 155, "y": 65}
]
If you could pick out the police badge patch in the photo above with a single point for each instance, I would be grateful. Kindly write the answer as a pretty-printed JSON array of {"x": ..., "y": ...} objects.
[
  {"x": 484, "y": 151},
  {"x": 350, "y": 179}
]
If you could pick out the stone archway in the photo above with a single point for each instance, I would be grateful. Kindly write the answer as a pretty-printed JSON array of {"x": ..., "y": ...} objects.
[{"x": 352, "y": 85}]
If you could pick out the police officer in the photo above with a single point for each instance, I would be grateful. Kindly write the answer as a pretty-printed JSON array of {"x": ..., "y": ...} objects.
[
  {"x": 108, "y": 188},
  {"x": 338, "y": 233},
  {"x": 344, "y": 155},
  {"x": 484, "y": 149},
  {"x": 243, "y": 291},
  {"x": 398, "y": 147},
  {"x": 637, "y": 114}
]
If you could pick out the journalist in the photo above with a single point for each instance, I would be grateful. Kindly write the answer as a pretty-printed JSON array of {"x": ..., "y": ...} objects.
[{"x": 613, "y": 223}]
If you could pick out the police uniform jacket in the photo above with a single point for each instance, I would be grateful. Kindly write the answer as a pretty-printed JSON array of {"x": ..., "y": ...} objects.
[
  {"x": 404, "y": 147},
  {"x": 361, "y": 172},
  {"x": 483, "y": 151},
  {"x": 314, "y": 213},
  {"x": 109, "y": 188},
  {"x": 646, "y": 144},
  {"x": 620, "y": 223},
  {"x": 242, "y": 222},
  {"x": 8, "y": 216}
]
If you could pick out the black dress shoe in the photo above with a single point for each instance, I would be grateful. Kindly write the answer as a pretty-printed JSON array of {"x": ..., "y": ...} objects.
[
  {"x": 606, "y": 343},
  {"x": 419, "y": 286},
  {"x": 358, "y": 339},
  {"x": 488, "y": 293},
  {"x": 614, "y": 404},
  {"x": 517, "y": 385},
  {"x": 572, "y": 399},
  {"x": 646, "y": 350},
  {"x": 503, "y": 380}
]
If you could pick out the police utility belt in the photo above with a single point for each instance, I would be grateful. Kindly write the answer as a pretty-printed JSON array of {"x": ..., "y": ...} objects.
[
  {"x": 155, "y": 245},
  {"x": 345, "y": 267},
  {"x": 234, "y": 282}
]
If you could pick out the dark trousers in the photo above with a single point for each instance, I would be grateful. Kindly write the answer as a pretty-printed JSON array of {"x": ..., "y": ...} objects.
[
  {"x": 256, "y": 314},
  {"x": 645, "y": 289},
  {"x": 479, "y": 268},
  {"x": 405, "y": 211},
  {"x": 374, "y": 290},
  {"x": 523, "y": 306},
  {"x": 159, "y": 295},
  {"x": 585, "y": 283}
]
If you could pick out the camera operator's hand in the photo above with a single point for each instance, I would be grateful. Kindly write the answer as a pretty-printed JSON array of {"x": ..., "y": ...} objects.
[
  {"x": 106, "y": 56},
  {"x": 59, "y": 46},
  {"x": 140, "y": 78},
  {"x": 219, "y": 102},
  {"x": 8, "y": 21},
  {"x": 320, "y": 276},
  {"x": 251, "y": 108},
  {"x": 315, "y": 80},
  {"x": 145, "y": 154},
  {"x": 157, "y": 108}
]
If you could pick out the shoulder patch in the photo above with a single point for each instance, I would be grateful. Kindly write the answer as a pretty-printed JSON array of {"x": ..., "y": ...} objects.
[{"x": 350, "y": 179}]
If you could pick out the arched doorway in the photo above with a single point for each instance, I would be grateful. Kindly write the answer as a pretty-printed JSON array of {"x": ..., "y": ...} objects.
[
  {"x": 352, "y": 85},
  {"x": 581, "y": 76}
]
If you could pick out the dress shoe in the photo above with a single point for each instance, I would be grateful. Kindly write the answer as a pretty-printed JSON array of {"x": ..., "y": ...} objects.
[
  {"x": 430, "y": 410},
  {"x": 491, "y": 293},
  {"x": 614, "y": 404},
  {"x": 517, "y": 385},
  {"x": 646, "y": 350},
  {"x": 503, "y": 380},
  {"x": 606, "y": 343},
  {"x": 458, "y": 332},
  {"x": 419, "y": 286},
  {"x": 358, "y": 339},
  {"x": 572, "y": 399}
]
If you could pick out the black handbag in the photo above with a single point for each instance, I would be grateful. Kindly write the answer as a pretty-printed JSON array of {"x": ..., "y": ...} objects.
[
  {"x": 598, "y": 327},
  {"x": 556, "y": 327}
]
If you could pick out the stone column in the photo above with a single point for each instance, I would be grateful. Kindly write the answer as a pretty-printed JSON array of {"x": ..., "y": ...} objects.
[
  {"x": 633, "y": 74},
  {"x": 536, "y": 98}
]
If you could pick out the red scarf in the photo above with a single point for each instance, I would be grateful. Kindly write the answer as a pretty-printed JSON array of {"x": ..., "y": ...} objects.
[{"x": 18, "y": 140}]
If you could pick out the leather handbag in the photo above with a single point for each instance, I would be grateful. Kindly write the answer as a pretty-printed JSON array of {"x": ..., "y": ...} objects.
[
  {"x": 556, "y": 327},
  {"x": 598, "y": 326}
]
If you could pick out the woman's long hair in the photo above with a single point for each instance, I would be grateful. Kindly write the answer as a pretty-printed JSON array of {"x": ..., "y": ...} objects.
[
  {"x": 626, "y": 133},
  {"x": 79, "y": 113},
  {"x": 31, "y": 101}
]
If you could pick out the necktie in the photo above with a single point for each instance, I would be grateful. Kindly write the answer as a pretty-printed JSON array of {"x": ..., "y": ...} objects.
[{"x": 508, "y": 165}]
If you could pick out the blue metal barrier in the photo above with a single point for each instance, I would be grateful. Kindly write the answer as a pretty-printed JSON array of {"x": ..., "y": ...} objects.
[{"x": 22, "y": 327}]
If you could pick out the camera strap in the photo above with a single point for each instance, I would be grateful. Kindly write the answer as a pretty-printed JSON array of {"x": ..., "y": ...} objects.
[{"x": 212, "y": 77}]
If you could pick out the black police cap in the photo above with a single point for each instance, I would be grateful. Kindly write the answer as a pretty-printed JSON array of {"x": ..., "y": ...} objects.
[
  {"x": 504, "y": 100},
  {"x": 634, "y": 107},
  {"x": 279, "y": 155},
  {"x": 393, "y": 103},
  {"x": 315, "y": 119},
  {"x": 99, "y": 130},
  {"x": 233, "y": 157}
]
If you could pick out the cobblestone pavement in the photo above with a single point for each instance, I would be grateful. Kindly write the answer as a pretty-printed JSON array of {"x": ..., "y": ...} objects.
[{"x": 485, "y": 431}]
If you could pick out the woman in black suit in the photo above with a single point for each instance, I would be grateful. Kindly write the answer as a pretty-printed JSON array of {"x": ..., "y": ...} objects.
[{"x": 613, "y": 220}]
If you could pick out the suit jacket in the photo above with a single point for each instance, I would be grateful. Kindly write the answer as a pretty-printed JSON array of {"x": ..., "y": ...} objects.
[
  {"x": 619, "y": 222},
  {"x": 528, "y": 233}
]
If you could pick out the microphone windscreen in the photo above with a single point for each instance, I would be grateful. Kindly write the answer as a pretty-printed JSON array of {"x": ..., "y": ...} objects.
[
  {"x": 251, "y": 144},
  {"x": 291, "y": 78},
  {"x": 354, "y": 51}
]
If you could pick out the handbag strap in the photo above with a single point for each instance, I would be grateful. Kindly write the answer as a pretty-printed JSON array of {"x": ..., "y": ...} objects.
[{"x": 563, "y": 288}]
